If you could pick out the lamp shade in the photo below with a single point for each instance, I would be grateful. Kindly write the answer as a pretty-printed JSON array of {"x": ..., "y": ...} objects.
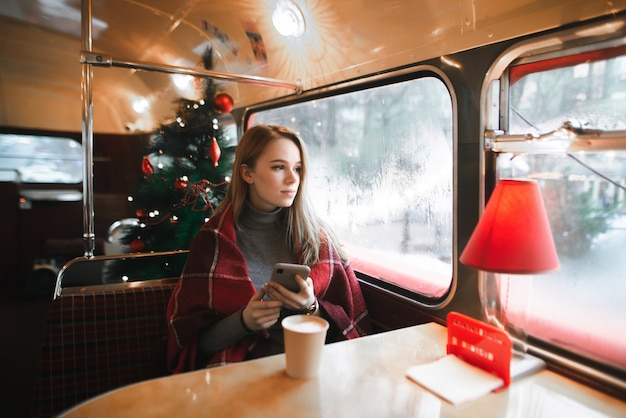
[{"x": 513, "y": 235}]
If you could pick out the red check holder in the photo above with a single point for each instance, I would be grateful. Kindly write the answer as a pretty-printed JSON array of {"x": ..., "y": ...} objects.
[
  {"x": 481, "y": 345},
  {"x": 479, "y": 360}
]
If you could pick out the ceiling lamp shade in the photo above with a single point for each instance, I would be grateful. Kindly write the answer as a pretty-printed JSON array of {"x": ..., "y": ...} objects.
[{"x": 513, "y": 235}]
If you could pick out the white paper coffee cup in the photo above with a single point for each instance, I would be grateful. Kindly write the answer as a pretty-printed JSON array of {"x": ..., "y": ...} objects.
[{"x": 304, "y": 340}]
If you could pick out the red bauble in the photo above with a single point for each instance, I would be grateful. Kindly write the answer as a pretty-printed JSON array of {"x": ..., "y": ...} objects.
[
  {"x": 181, "y": 183},
  {"x": 140, "y": 213},
  {"x": 146, "y": 167},
  {"x": 223, "y": 102},
  {"x": 137, "y": 245},
  {"x": 215, "y": 152}
]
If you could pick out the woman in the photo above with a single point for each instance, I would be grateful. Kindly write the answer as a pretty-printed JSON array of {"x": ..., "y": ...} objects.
[{"x": 223, "y": 308}]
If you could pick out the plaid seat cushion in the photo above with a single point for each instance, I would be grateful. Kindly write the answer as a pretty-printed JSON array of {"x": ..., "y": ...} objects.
[{"x": 98, "y": 339}]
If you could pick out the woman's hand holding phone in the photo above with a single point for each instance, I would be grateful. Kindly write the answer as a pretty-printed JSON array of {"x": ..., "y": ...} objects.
[
  {"x": 291, "y": 284},
  {"x": 259, "y": 314}
]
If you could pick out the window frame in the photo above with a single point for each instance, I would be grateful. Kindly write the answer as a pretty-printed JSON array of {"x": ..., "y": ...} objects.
[
  {"x": 496, "y": 140},
  {"x": 370, "y": 82}
]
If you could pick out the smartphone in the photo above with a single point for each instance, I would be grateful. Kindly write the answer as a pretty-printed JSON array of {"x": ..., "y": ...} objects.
[{"x": 284, "y": 273}]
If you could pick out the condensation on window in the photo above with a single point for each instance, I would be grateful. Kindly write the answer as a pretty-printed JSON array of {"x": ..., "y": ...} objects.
[
  {"x": 579, "y": 308},
  {"x": 592, "y": 94},
  {"x": 40, "y": 159},
  {"x": 381, "y": 174}
]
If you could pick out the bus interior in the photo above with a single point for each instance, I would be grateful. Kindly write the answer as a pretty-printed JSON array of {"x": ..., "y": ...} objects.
[{"x": 412, "y": 112}]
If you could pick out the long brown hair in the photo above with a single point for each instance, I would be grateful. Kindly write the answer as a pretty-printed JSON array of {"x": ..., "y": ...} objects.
[{"x": 303, "y": 226}]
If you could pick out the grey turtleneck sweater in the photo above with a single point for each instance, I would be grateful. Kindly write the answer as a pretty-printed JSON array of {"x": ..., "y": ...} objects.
[{"x": 262, "y": 242}]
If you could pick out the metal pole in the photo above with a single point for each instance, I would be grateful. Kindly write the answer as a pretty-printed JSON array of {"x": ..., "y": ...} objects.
[
  {"x": 105, "y": 60},
  {"x": 87, "y": 132}
]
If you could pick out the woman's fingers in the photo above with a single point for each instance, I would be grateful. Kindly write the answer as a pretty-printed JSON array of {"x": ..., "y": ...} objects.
[
  {"x": 292, "y": 300},
  {"x": 260, "y": 314}
]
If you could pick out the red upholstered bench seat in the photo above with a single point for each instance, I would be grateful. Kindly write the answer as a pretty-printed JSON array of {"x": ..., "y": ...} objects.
[{"x": 100, "y": 338}]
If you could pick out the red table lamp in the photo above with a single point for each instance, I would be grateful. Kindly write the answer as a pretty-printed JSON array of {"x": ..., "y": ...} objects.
[{"x": 513, "y": 235}]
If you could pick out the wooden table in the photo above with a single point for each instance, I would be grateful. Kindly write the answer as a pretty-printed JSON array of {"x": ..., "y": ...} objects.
[{"x": 358, "y": 378}]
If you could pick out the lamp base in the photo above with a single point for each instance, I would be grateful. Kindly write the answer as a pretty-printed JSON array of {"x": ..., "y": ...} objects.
[{"x": 524, "y": 364}]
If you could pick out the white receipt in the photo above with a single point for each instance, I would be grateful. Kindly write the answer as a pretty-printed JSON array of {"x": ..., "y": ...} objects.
[{"x": 454, "y": 380}]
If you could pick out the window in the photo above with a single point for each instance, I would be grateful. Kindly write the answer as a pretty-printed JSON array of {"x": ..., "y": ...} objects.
[
  {"x": 382, "y": 175},
  {"x": 40, "y": 159},
  {"x": 579, "y": 308}
]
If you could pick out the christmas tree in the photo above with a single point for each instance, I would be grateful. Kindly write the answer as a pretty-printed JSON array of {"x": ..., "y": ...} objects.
[{"x": 185, "y": 170}]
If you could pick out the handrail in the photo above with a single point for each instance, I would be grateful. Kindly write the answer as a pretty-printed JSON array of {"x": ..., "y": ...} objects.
[
  {"x": 105, "y": 60},
  {"x": 58, "y": 288},
  {"x": 568, "y": 138}
]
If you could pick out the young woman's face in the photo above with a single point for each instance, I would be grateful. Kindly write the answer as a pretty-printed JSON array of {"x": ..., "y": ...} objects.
[{"x": 275, "y": 178}]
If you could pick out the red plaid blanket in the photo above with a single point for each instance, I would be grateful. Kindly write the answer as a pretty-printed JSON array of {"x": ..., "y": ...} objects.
[{"x": 215, "y": 284}]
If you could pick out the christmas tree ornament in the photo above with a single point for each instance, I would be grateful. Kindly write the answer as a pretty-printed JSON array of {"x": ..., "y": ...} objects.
[
  {"x": 215, "y": 152},
  {"x": 140, "y": 213},
  {"x": 181, "y": 183},
  {"x": 137, "y": 245},
  {"x": 223, "y": 102},
  {"x": 146, "y": 166}
]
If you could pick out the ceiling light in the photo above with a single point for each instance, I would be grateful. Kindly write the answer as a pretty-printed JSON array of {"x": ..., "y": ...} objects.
[
  {"x": 141, "y": 105},
  {"x": 288, "y": 19}
]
